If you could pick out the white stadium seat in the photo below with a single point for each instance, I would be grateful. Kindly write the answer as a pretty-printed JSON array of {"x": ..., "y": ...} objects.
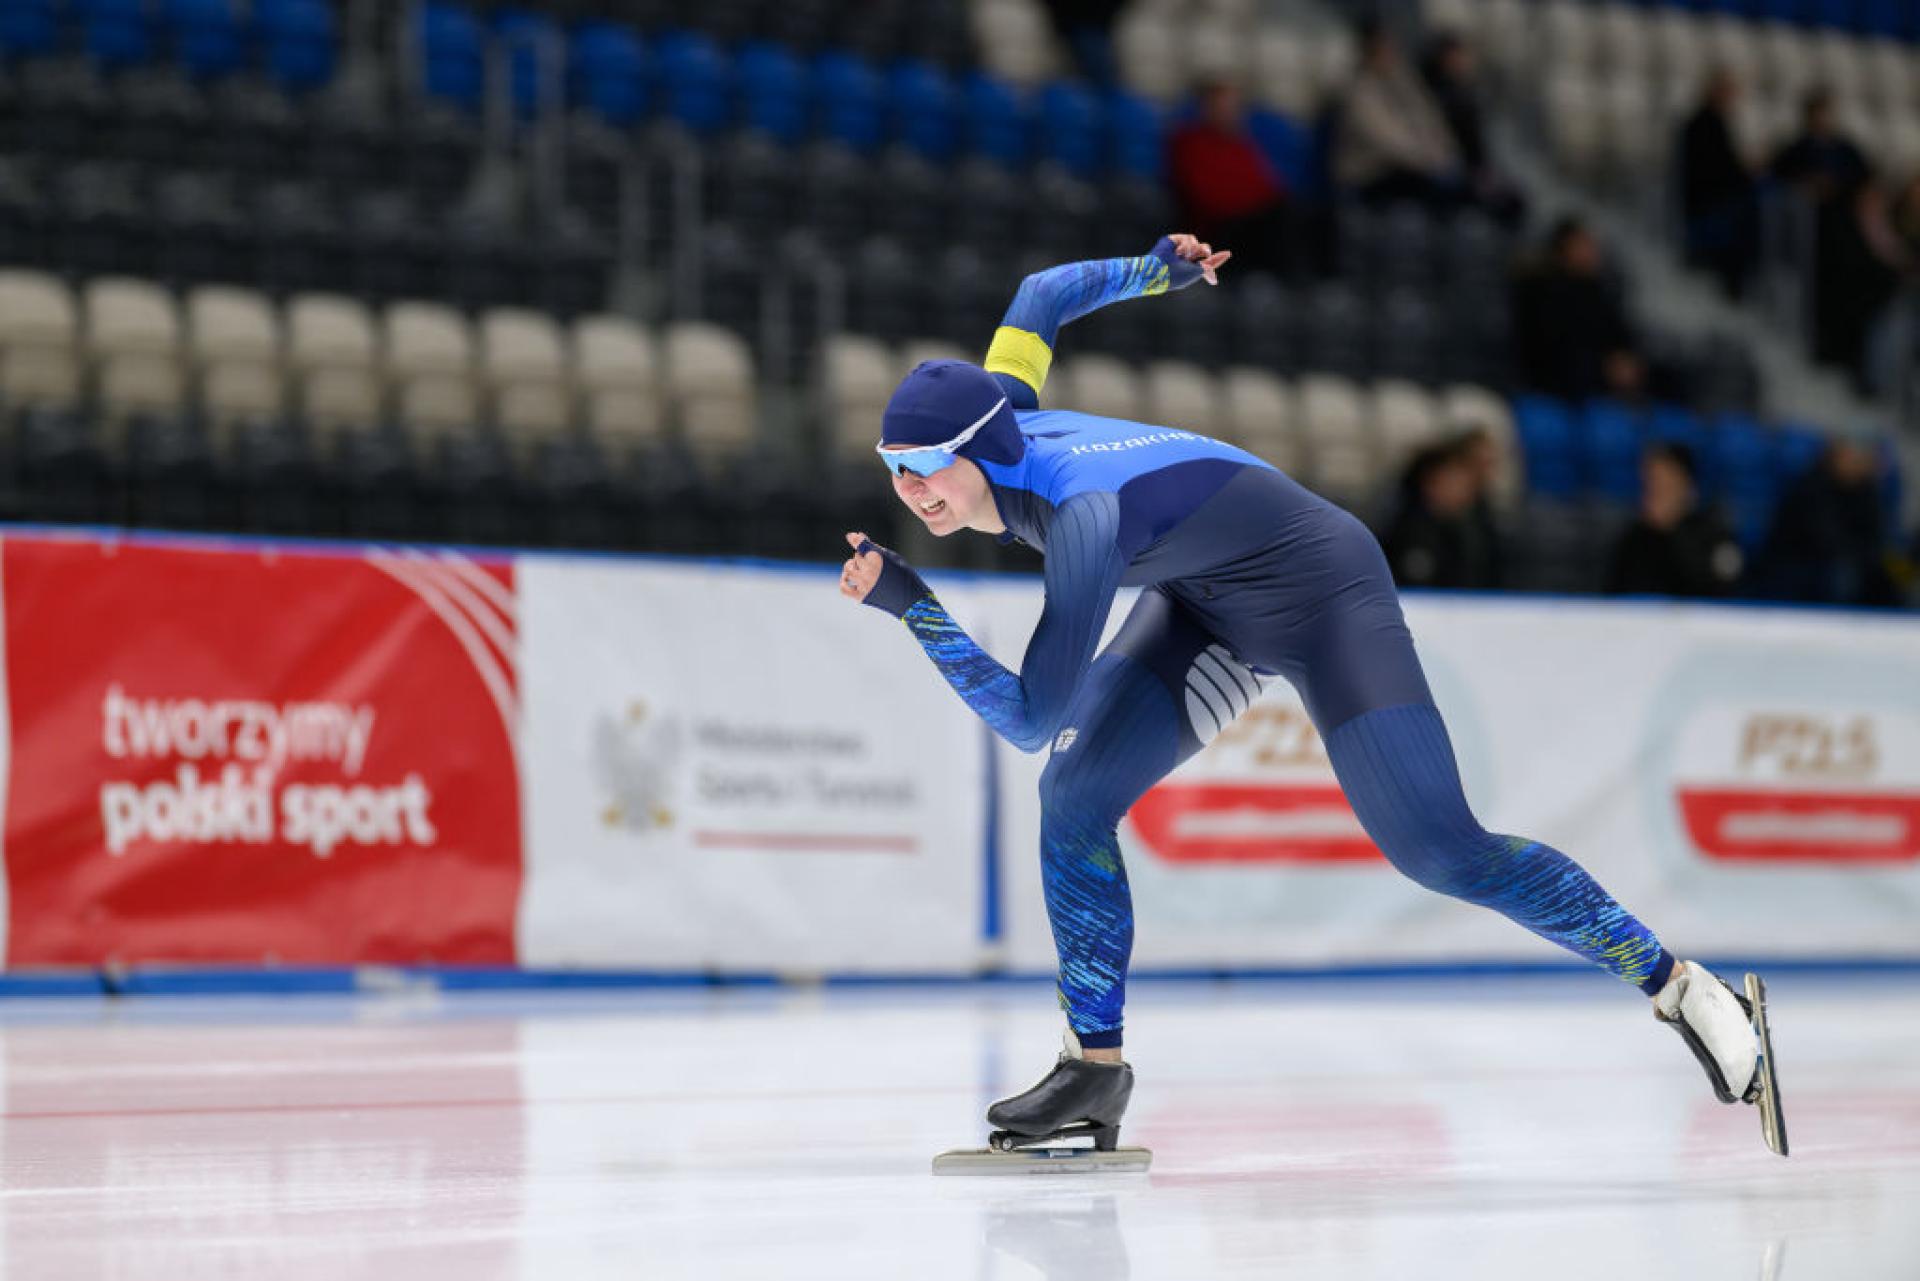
[
  {"x": 1732, "y": 45},
  {"x": 226, "y": 324},
  {"x": 1218, "y": 49},
  {"x": 1623, "y": 40},
  {"x": 236, "y": 390},
  {"x": 1015, "y": 39},
  {"x": 1405, "y": 418},
  {"x": 1891, "y": 74},
  {"x": 1182, "y": 396},
  {"x": 1147, "y": 47},
  {"x": 432, "y": 406},
  {"x": 139, "y": 382},
  {"x": 39, "y": 338},
  {"x": 124, "y": 315},
  {"x": 710, "y": 390},
  {"x": 1786, "y": 61},
  {"x": 1839, "y": 63},
  {"x": 1096, "y": 384},
  {"x": 1341, "y": 454},
  {"x": 1678, "y": 48},
  {"x": 1575, "y": 124},
  {"x": 920, "y": 350},
  {"x": 1465, "y": 407},
  {"x": 1569, "y": 36},
  {"x": 857, "y": 376},
  {"x": 1257, "y": 409},
  {"x": 427, "y": 338},
  {"x": 335, "y": 398},
  {"x": 1283, "y": 76},
  {"x": 618, "y": 378},
  {"x": 36, "y": 375},
  {"x": 1506, "y": 33},
  {"x": 330, "y": 331}
]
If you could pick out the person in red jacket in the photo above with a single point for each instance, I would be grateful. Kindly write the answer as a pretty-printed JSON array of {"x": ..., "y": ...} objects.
[{"x": 1227, "y": 188}]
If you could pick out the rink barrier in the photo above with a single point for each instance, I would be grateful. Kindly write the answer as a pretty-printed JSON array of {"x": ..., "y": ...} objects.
[
  {"x": 428, "y": 980},
  {"x": 514, "y": 685}
]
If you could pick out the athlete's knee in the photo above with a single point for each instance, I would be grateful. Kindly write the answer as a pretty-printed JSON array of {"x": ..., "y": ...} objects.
[
  {"x": 1454, "y": 860},
  {"x": 1071, "y": 793}
]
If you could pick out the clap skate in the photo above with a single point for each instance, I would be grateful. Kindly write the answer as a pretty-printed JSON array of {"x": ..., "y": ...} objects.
[
  {"x": 1728, "y": 1034},
  {"x": 1040, "y": 1131}
]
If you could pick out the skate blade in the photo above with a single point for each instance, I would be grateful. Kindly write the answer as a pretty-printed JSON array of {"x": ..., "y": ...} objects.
[
  {"x": 1773, "y": 1121},
  {"x": 1043, "y": 1160}
]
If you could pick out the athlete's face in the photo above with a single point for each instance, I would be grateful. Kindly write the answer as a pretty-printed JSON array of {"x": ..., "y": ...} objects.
[{"x": 952, "y": 498}]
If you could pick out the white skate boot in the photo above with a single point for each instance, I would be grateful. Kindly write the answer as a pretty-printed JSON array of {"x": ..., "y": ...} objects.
[{"x": 1728, "y": 1035}]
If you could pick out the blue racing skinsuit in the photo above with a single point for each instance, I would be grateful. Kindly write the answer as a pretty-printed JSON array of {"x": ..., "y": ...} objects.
[{"x": 1246, "y": 575}]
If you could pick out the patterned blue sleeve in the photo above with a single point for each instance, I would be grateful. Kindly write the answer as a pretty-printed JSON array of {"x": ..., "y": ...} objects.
[
  {"x": 1049, "y": 299},
  {"x": 1084, "y": 564}
]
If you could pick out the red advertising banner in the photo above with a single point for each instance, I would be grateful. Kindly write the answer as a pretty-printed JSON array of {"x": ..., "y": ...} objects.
[{"x": 259, "y": 755}]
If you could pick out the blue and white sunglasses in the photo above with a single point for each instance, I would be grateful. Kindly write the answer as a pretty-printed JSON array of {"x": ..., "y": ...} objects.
[{"x": 925, "y": 460}]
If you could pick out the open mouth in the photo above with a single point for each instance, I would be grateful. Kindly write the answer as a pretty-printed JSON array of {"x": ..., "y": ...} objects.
[{"x": 933, "y": 507}]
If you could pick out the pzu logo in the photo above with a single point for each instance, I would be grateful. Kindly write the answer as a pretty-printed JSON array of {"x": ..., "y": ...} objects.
[{"x": 1065, "y": 740}]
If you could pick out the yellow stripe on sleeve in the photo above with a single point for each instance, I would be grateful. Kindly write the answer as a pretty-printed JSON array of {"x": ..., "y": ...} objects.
[{"x": 1021, "y": 353}]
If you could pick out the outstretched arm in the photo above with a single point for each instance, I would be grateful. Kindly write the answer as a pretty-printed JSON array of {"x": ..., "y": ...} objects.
[
  {"x": 1083, "y": 570},
  {"x": 1022, "y": 350}
]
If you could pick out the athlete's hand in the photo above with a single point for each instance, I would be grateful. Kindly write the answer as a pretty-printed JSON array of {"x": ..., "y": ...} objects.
[
  {"x": 1180, "y": 249},
  {"x": 875, "y": 576},
  {"x": 862, "y": 569}
]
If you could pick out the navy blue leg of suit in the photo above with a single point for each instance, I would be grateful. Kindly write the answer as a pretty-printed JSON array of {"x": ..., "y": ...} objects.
[{"x": 1356, "y": 669}]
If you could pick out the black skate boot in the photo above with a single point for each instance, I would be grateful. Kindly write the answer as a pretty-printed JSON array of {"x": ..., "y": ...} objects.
[
  {"x": 1077, "y": 1099},
  {"x": 1036, "y": 1130}
]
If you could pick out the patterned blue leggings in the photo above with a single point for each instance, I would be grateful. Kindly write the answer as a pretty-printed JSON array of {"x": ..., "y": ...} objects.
[{"x": 1162, "y": 688}]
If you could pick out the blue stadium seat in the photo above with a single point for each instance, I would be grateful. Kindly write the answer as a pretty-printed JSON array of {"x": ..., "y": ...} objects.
[
  {"x": 1291, "y": 149},
  {"x": 1547, "y": 446},
  {"x": 924, "y": 107},
  {"x": 1136, "y": 135},
  {"x": 1072, "y": 124},
  {"x": 1670, "y": 424},
  {"x": 527, "y": 37},
  {"x": 1611, "y": 442},
  {"x": 452, "y": 55},
  {"x": 848, "y": 94},
  {"x": 607, "y": 72},
  {"x": 1882, "y": 17},
  {"x": 996, "y": 120},
  {"x": 773, "y": 90},
  {"x": 205, "y": 35},
  {"x": 28, "y": 28},
  {"x": 1833, "y": 13},
  {"x": 1794, "y": 450},
  {"x": 697, "y": 80},
  {"x": 1742, "y": 456},
  {"x": 297, "y": 40},
  {"x": 116, "y": 33}
]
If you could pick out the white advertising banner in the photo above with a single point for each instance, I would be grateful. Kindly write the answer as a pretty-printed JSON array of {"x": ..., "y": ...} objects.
[
  {"x": 1745, "y": 781},
  {"x": 736, "y": 769}
]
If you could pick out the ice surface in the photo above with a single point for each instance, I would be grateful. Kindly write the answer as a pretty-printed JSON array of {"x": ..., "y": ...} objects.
[{"x": 1541, "y": 1128}]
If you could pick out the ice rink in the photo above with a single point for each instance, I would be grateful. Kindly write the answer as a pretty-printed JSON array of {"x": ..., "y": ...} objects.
[{"x": 1502, "y": 1128}]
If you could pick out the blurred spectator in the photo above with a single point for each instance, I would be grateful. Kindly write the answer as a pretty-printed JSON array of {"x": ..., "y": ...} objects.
[
  {"x": 1676, "y": 546},
  {"x": 1229, "y": 192},
  {"x": 1858, "y": 263},
  {"x": 1828, "y": 542},
  {"x": 1086, "y": 29},
  {"x": 1450, "y": 74},
  {"x": 1821, "y": 163},
  {"x": 1571, "y": 332},
  {"x": 1490, "y": 465},
  {"x": 1719, "y": 198},
  {"x": 1392, "y": 142},
  {"x": 1436, "y": 539},
  {"x": 1906, "y": 217}
]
